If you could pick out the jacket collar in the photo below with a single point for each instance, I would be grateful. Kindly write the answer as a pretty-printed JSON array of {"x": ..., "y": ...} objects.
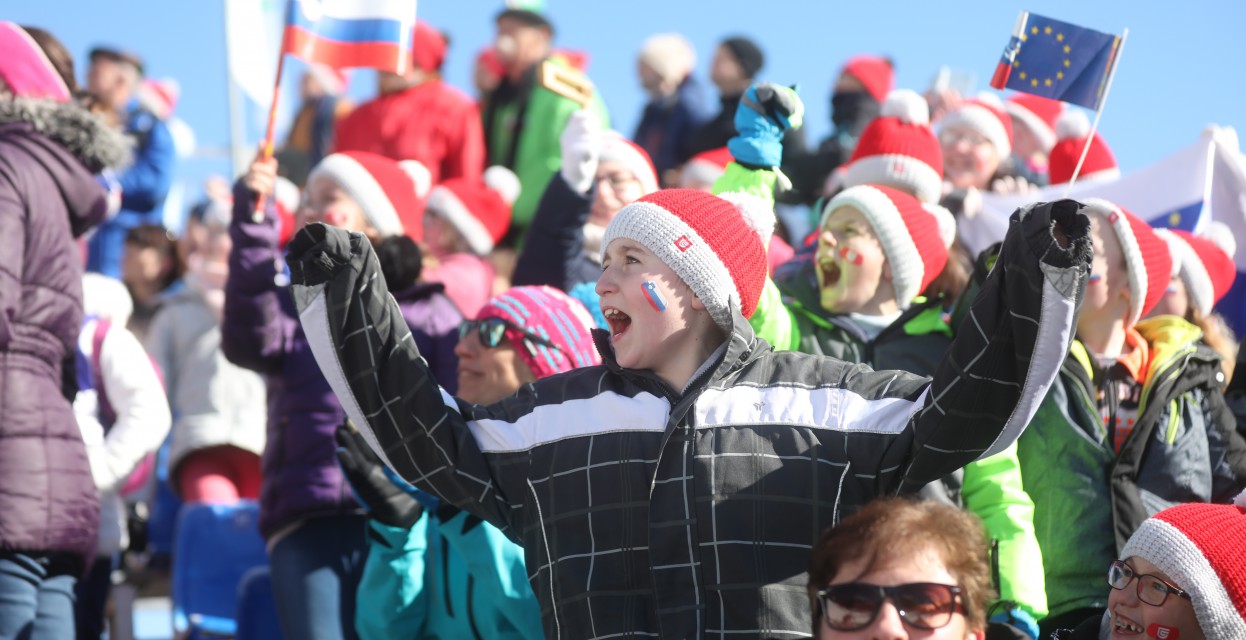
[{"x": 85, "y": 135}]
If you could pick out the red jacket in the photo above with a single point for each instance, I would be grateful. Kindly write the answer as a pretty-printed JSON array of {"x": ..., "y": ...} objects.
[{"x": 433, "y": 123}]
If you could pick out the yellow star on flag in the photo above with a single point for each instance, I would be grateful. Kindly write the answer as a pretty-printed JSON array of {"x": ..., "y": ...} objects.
[
  {"x": 1047, "y": 30},
  {"x": 1059, "y": 37}
]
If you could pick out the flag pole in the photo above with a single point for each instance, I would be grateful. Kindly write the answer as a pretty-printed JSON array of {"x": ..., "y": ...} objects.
[
  {"x": 1094, "y": 126},
  {"x": 258, "y": 215}
]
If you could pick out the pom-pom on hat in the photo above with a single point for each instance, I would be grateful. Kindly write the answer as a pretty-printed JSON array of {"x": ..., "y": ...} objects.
[
  {"x": 898, "y": 149},
  {"x": 1202, "y": 548},
  {"x": 1071, "y": 131},
  {"x": 555, "y": 317},
  {"x": 616, "y": 148},
  {"x": 1204, "y": 262},
  {"x": 705, "y": 167},
  {"x": 715, "y": 244},
  {"x": 874, "y": 72},
  {"x": 915, "y": 235},
  {"x": 388, "y": 192},
  {"x": 985, "y": 114},
  {"x": 480, "y": 209},
  {"x": 1147, "y": 258},
  {"x": 1038, "y": 113}
]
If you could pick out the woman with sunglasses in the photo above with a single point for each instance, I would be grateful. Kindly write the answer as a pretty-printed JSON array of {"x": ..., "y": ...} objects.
[
  {"x": 1181, "y": 576},
  {"x": 434, "y": 571},
  {"x": 899, "y": 569}
]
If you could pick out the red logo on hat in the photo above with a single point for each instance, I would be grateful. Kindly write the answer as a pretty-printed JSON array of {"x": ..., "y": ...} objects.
[
  {"x": 1112, "y": 217},
  {"x": 683, "y": 243}
]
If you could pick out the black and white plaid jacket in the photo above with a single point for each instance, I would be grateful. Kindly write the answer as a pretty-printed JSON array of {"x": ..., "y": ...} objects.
[{"x": 645, "y": 512}]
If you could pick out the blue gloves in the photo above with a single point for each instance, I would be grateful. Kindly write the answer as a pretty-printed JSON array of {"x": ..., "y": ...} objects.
[{"x": 766, "y": 111}]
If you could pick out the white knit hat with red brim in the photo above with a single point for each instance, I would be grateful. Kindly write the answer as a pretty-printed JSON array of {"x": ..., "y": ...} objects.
[
  {"x": 1147, "y": 257},
  {"x": 984, "y": 114},
  {"x": 1204, "y": 262}
]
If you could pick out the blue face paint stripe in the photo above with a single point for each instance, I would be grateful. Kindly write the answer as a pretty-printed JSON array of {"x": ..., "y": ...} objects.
[{"x": 655, "y": 298}]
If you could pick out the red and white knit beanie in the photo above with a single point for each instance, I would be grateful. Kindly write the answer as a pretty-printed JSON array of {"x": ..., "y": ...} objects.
[
  {"x": 874, "y": 72},
  {"x": 915, "y": 235},
  {"x": 1071, "y": 131},
  {"x": 715, "y": 244},
  {"x": 1038, "y": 113},
  {"x": 898, "y": 149},
  {"x": 1202, "y": 547},
  {"x": 479, "y": 209},
  {"x": 1147, "y": 258},
  {"x": 705, "y": 167},
  {"x": 984, "y": 114},
  {"x": 616, "y": 148},
  {"x": 388, "y": 192},
  {"x": 1205, "y": 262},
  {"x": 159, "y": 96}
]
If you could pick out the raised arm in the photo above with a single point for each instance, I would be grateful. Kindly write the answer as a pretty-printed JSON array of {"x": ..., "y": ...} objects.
[{"x": 368, "y": 355}]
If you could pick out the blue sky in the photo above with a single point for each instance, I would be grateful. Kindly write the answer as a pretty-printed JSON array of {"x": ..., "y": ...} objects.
[{"x": 1179, "y": 70}]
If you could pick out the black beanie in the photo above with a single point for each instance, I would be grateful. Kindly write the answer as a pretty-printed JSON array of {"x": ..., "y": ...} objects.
[{"x": 747, "y": 54}]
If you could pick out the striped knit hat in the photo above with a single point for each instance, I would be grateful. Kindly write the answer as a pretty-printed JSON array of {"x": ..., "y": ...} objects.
[
  {"x": 553, "y": 315},
  {"x": 899, "y": 150},
  {"x": 1202, "y": 547},
  {"x": 715, "y": 244},
  {"x": 915, "y": 235},
  {"x": 1146, "y": 256},
  {"x": 1205, "y": 262}
]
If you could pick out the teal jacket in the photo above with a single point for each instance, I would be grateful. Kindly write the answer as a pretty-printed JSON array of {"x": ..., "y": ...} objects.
[
  {"x": 791, "y": 318},
  {"x": 1089, "y": 499},
  {"x": 458, "y": 578}
]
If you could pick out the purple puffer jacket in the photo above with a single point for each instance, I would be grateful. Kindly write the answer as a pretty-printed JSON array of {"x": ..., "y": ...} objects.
[
  {"x": 261, "y": 332},
  {"x": 48, "y": 197}
]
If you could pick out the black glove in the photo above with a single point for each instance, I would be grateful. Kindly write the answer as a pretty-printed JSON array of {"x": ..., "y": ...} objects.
[
  {"x": 318, "y": 251},
  {"x": 383, "y": 500}
]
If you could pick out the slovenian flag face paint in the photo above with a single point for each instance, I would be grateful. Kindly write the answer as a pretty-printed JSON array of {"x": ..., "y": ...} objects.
[
  {"x": 1094, "y": 277},
  {"x": 653, "y": 296},
  {"x": 852, "y": 256}
]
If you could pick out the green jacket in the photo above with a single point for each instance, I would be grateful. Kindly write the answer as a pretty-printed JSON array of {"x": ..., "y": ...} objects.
[
  {"x": 1088, "y": 499},
  {"x": 522, "y": 134},
  {"x": 991, "y": 488}
]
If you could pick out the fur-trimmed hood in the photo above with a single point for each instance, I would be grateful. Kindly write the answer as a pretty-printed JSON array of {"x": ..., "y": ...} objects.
[{"x": 85, "y": 135}]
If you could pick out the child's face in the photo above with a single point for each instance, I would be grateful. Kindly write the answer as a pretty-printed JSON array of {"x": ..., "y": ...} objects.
[
  {"x": 1107, "y": 291},
  {"x": 1176, "y": 300},
  {"x": 634, "y": 284},
  {"x": 324, "y": 200},
  {"x": 440, "y": 237},
  {"x": 969, "y": 158},
  {"x": 1129, "y": 613},
  {"x": 853, "y": 274}
]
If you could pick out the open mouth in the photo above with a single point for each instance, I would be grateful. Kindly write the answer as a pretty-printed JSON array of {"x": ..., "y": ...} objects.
[
  {"x": 619, "y": 322},
  {"x": 829, "y": 272},
  {"x": 1124, "y": 626}
]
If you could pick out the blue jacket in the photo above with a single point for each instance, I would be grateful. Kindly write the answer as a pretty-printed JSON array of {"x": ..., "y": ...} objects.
[
  {"x": 453, "y": 578},
  {"x": 667, "y": 124},
  {"x": 143, "y": 188}
]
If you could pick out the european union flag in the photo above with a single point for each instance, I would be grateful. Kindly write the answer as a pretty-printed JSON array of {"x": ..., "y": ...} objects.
[{"x": 1057, "y": 60}]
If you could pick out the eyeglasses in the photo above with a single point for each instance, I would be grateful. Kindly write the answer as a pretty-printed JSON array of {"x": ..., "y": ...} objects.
[
  {"x": 1152, "y": 590},
  {"x": 492, "y": 330},
  {"x": 922, "y": 605},
  {"x": 617, "y": 180},
  {"x": 951, "y": 137}
]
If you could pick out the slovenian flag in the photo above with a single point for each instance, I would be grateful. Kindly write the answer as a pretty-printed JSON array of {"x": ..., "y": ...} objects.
[{"x": 351, "y": 33}]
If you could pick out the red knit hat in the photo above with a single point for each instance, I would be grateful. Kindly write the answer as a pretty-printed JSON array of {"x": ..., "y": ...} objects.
[
  {"x": 705, "y": 167},
  {"x": 984, "y": 114},
  {"x": 715, "y": 244},
  {"x": 915, "y": 235},
  {"x": 1205, "y": 262},
  {"x": 1072, "y": 129},
  {"x": 899, "y": 150},
  {"x": 480, "y": 209},
  {"x": 1146, "y": 256},
  {"x": 1202, "y": 547},
  {"x": 875, "y": 72},
  {"x": 159, "y": 96},
  {"x": 389, "y": 192},
  {"x": 616, "y": 148},
  {"x": 1038, "y": 113},
  {"x": 428, "y": 47}
]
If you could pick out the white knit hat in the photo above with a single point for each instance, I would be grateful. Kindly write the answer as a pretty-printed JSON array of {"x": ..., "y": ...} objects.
[{"x": 670, "y": 55}]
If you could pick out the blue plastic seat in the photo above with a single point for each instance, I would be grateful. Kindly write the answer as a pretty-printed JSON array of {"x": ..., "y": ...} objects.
[
  {"x": 257, "y": 607},
  {"x": 215, "y": 546}
]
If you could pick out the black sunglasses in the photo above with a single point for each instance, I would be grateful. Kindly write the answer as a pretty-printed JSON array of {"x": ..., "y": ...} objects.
[
  {"x": 922, "y": 605},
  {"x": 492, "y": 330},
  {"x": 1152, "y": 590}
]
